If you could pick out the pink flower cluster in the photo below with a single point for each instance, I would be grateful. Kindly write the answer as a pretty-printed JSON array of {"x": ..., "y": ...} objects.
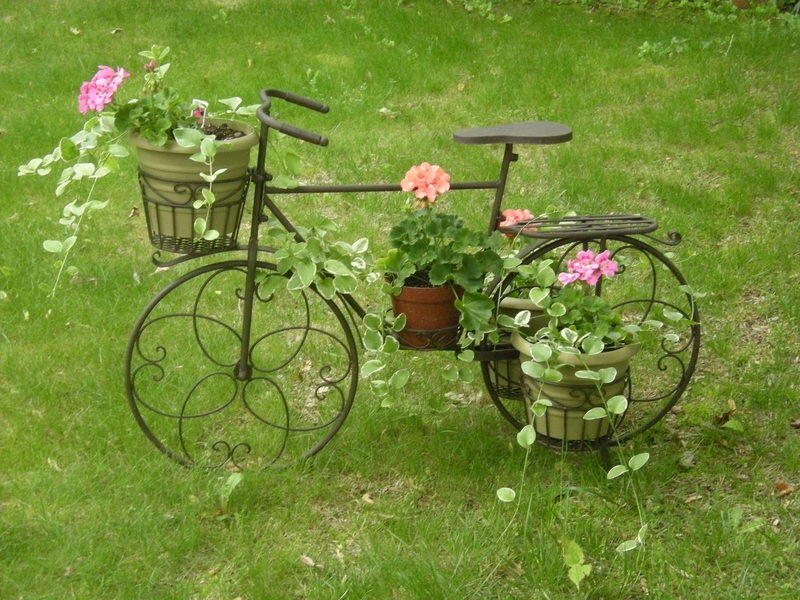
[
  {"x": 512, "y": 216},
  {"x": 426, "y": 181},
  {"x": 99, "y": 92},
  {"x": 589, "y": 267}
]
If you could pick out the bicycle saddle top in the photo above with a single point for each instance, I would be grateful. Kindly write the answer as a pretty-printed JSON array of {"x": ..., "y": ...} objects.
[{"x": 529, "y": 132}]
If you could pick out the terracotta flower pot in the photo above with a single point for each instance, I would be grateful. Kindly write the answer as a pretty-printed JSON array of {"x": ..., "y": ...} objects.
[
  {"x": 431, "y": 316},
  {"x": 170, "y": 183}
]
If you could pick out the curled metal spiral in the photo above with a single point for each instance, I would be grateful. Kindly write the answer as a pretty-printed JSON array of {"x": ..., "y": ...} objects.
[
  {"x": 649, "y": 288},
  {"x": 186, "y": 388}
]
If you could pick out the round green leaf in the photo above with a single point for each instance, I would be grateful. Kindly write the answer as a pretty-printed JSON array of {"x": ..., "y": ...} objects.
[
  {"x": 640, "y": 536},
  {"x": 592, "y": 345},
  {"x": 627, "y": 546},
  {"x": 399, "y": 322},
  {"x": 588, "y": 374},
  {"x": 345, "y": 284},
  {"x": 526, "y": 436},
  {"x": 533, "y": 369},
  {"x": 617, "y": 405},
  {"x": 608, "y": 374},
  {"x": 451, "y": 373},
  {"x": 52, "y": 246},
  {"x": 336, "y": 267},
  {"x": 390, "y": 345},
  {"x": 539, "y": 296},
  {"x": 466, "y": 355},
  {"x": 373, "y": 340},
  {"x": 616, "y": 471},
  {"x": 541, "y": 352},
  {"x": 399, "y": 379},
  {"x": 638, "y": 461},
  {"x": 373, "y": 321},
  {"x": 326, "y": 287},
  {"x": 505, "y": 494},
  {"x": 552, "y": 375},
  {"x": 188, "y": 137},
  {"x": 598, "y": 412}
]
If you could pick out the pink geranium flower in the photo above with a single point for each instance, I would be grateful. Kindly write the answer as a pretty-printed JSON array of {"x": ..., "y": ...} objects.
[
  {"x": 605, "y": 265},
  {"x": 426, "y": 181},
  {"x": 588, "y": 267},
  {"x": 512, "y": 216},
  {"x": 99, "y": 92},
  {"x": 582, "y": 263},
  {"x": 567, "y": 278}
]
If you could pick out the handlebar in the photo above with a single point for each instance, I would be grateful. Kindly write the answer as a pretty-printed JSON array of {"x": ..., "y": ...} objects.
[
  {"x": 294, "y": 99},
  {"x": 307, "y": 136}
]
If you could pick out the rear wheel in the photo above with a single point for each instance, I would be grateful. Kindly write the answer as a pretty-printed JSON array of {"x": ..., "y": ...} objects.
[{"x": 648, "y": 287}]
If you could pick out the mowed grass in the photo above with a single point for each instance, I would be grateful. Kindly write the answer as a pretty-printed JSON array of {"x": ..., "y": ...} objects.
[{"x": 401, "y": 504}]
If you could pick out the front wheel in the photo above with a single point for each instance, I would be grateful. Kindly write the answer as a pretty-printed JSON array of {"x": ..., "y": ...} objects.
[{"x": 195, "y": 400}]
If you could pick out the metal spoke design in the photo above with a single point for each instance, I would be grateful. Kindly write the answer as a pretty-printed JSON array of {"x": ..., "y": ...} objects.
[
  {"x": 648, "y": 287},
  {"x": 189, "y": 395}
]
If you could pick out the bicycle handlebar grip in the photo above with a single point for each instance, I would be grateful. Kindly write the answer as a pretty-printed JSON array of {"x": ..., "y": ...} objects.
[
  {"x": 295, "y": 99},
  {"x": 295, "y": 132}
]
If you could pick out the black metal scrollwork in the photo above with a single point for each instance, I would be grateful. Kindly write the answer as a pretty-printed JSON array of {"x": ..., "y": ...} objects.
[
  {"x": 185, "y": 386},
  {"x": 649, "y": 289}
]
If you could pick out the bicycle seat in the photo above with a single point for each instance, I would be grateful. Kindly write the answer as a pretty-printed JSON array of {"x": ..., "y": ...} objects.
[{"x": 529, "y": 132}]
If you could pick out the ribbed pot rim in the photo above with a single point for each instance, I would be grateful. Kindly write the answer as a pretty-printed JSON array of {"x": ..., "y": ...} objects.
[
  {"x": 587, "y": 360},
  {"x": 518, "y": 303}
]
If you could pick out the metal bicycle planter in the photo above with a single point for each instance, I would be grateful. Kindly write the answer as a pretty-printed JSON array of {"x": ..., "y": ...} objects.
[{"x": 217, "y": 372}]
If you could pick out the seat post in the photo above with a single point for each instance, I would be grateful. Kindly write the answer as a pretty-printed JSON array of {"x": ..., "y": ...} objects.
[{"x": 509, "y": 156}]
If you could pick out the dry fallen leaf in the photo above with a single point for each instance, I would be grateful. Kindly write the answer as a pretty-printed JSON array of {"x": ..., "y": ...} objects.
[
  {"x": 115, "y": 31},
  {"x": 795, "y": 424},
  {"x": 53, "y": 465},
  {"x": 309, "y": 562},
  {"x": 368, "y": 499},
  {"x": 134, "y": 212},
  {"x": 687, "y": 460},
  {"x": 75, "y": 31},
  {"x": 692, "y": 498},
  {"x": 784, "y": 489}
]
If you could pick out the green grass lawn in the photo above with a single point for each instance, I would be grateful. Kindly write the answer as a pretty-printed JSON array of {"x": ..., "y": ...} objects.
[{"x": 688, "y": 117}]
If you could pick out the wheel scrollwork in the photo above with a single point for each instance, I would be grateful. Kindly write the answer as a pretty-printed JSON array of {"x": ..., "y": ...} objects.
[
  {"x": 649, "y": 288},
  {"x": 186, "y": 387}
]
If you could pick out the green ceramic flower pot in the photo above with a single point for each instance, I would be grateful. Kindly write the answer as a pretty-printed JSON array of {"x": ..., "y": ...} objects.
[
  {"x": 170, "y": 183},
  {"x": 505, "y": 375},
  {"x": 573, "y": 396}
]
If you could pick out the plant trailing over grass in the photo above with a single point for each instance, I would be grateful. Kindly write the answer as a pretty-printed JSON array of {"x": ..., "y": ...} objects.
[{"x": 91, "y": 154}]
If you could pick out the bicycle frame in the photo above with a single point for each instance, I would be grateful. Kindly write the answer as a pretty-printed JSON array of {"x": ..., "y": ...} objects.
[
  {"x": 263, "y": 201},
  {"x": 561, "y": 236}
]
